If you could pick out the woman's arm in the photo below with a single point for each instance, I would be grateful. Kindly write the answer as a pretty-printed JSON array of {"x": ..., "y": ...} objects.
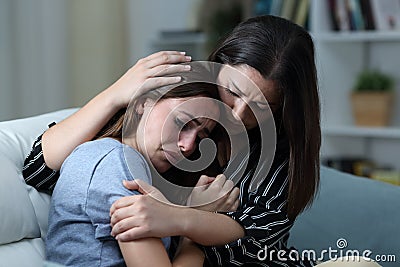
[
  {"x": 59, "y": 141},
  {"x": 160, "y": 219},
  {"x": 264, "y": 220}
]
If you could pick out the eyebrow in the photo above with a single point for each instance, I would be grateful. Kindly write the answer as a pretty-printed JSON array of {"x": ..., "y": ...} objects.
[
  {"x": 237, "y": 88},
  {"x": 205, "y": 130},
  {"x": 241, "y": 94}
]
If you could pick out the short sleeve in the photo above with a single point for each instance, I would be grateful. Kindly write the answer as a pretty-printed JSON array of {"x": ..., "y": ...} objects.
[
  {"x": 35, "y": 171},
  {"x": 106, "y": 187}
]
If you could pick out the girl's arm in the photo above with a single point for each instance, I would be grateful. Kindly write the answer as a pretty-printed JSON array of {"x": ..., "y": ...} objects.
[
  {"x": 189, "y": 254},
  {"x": 59, "y": 141},
  {"x": 105, "y": 187},
  {"x": 151, "y": 252},
  {"x": 159, "y": 219}
]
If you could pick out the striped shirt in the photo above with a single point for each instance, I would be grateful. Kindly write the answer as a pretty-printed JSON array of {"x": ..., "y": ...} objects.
[{"x": 262, "y": 212}]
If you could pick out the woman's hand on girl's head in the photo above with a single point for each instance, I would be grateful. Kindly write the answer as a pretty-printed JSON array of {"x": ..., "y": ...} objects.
[
  {"x": 214, "y": 194},
  {"x": 149, "y": 73}
]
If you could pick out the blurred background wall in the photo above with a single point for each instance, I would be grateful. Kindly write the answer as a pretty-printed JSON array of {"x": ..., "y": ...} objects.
[{"x": 58, "y": 54}]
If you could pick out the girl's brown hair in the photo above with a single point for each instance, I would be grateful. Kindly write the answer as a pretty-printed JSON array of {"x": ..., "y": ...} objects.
[{"x": 129, "y": 118}]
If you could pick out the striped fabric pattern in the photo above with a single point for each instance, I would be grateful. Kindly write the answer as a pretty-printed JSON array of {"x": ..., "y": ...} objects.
[
  {"x": 35, "y": 171},
  {"x": 263, "y": 215}
]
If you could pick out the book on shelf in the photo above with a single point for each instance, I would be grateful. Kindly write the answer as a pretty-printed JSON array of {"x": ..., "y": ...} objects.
[
  {"x": 364, "y": 168},
  {"x": 386, "y": 14},
  {"x": 294, "y": 10},
  {"x": 301, "y": 13},
  {"x": 366, "y": 11},
  {"x": 262, "y": 7},
  {"x": 339, "y": 15},
  {"x": 333, "y": 14},
  {"x": 288, "y": 9},
  {"x": 276, "y": 7},
  {"x": 356, "y": 166},
  {"x": 358, "y": 15}
]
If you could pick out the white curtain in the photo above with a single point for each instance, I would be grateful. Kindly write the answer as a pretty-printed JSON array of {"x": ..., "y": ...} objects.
[{"x": 33, "y": 57}]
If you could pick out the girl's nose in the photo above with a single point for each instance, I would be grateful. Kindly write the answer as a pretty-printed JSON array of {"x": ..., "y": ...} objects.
[{"x": 187, "y": 142}]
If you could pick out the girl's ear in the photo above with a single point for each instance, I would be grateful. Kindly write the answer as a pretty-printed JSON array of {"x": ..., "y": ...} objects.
[
  {"x": 143, "y": 103},
  {"x": 140, "y": 106}
]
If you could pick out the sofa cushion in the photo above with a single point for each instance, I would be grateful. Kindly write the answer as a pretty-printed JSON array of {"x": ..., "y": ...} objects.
[
  {"x": 23, "y": 222},
  {"x": 27, "y": 252},
  {"x": 362, "y": 212},
  {"x": 18, "y": 218}
]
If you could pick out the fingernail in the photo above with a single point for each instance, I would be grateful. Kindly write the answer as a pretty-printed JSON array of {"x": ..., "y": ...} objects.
[
  {"x": 117, "y": 237},
  {"x": 182, "y": 53},
  {"x": 187, "y": 67},
  {"x": 188, "y": 58}
]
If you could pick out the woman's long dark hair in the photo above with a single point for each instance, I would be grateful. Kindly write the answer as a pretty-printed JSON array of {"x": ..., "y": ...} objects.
[{"x": 284, "y": 53}]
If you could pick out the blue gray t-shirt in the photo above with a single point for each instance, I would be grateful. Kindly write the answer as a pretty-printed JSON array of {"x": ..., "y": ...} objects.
[{"x": 90, "y": 181}]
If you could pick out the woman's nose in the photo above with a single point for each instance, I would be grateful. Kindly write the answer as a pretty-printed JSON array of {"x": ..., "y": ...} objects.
[
  {"x": 187, "y": 142},
  {"x": 240, "y": 110}
]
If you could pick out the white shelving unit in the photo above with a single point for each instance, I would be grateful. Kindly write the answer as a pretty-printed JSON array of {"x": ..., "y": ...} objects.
[
  {"x": 364, "y": 132},
  {"x": 362, "y": 36},
  {"x": 340, "y": 57}
]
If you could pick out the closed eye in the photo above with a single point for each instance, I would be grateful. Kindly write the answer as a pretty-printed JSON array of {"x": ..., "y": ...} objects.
[
  {"x": 261, "y": 105},
  {"x": 181, "y": 124},
  {"x": 230, "y": 92}
]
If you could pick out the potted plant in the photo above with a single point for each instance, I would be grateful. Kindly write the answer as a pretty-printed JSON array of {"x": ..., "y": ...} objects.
[{"x": 372, "y": 98}]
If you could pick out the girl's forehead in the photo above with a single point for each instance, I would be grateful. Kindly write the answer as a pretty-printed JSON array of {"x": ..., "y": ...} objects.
[{"x": 192, "y": 107}]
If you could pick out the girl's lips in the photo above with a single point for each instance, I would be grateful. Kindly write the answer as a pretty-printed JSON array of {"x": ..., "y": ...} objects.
[{"x": 172, "y": 156}]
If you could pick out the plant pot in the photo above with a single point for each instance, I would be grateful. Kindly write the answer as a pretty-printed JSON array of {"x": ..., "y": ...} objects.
[{"x": 372, "y": 108}]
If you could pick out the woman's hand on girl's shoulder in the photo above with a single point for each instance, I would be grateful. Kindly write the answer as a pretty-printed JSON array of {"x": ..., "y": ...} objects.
[
  {"x": 149, "y": 73},
  {"x": 214, "y": 194},
  {"x": 147, "y": 215}
]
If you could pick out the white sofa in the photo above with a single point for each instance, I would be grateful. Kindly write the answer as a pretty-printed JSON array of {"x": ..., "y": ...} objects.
[{"x": 24, "y": 211}]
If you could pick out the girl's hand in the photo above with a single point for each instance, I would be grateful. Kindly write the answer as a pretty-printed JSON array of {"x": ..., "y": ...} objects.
[
  {"x": 214, "y": 194},
  {"x": 147, "y": 74},
  {"x": 147, "y": 215}
]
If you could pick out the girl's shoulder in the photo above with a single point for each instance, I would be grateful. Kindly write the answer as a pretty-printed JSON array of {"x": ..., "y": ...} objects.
[
  {"x": 107, "y": 148},
  {"x": 92, "y": 152}
]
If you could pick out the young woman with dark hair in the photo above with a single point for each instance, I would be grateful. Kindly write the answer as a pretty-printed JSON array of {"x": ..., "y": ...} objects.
[{"x": 282, "y": 53}]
